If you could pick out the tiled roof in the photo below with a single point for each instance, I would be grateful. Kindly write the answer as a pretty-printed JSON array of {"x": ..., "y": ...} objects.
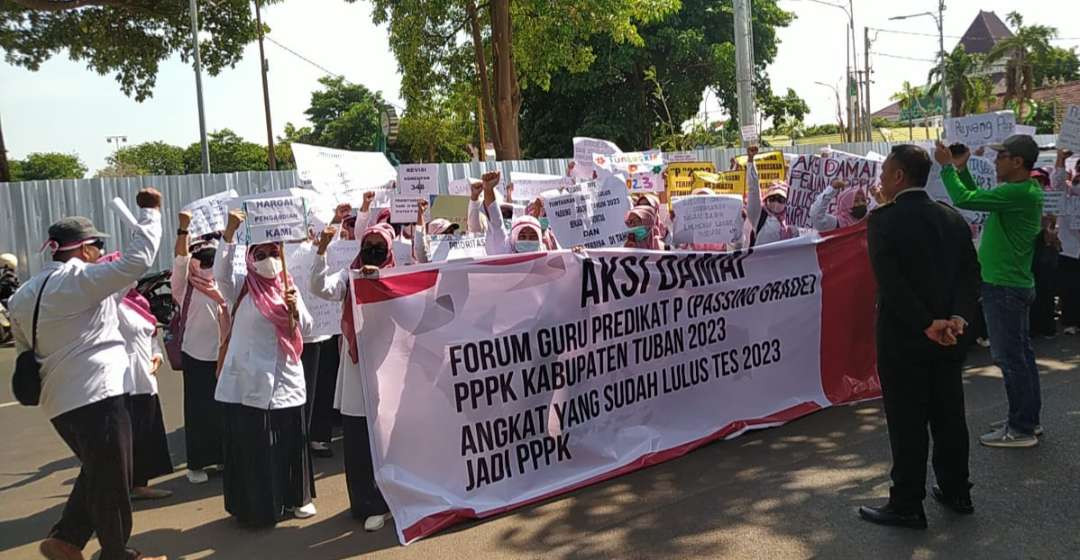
[{"x": 984, "y": 33}]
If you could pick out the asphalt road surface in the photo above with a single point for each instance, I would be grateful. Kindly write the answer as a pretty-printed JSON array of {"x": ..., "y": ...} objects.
[{"x": 788, "y": 492}]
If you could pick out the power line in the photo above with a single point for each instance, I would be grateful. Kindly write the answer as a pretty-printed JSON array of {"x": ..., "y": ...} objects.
[
  {"x": 935, "y": 35},
  {"x": 875, "y": 53},
  {"x": 320, "y": 66}
]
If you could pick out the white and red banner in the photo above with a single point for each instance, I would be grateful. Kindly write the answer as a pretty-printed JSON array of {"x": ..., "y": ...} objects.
[{"x": 498, "y": 382}]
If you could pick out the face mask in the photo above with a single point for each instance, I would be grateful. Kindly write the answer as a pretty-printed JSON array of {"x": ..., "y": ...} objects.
[
  {"x": 527, "y": 246},
  {"x": 543, "y": 224},
  {"x": 373, "y": 255},
  {"x": 268, "y": 268},
  {"x": 858, "y": 212},
  {"x": 776, "y": 207},
  {"x": 205, "y": 257},
  {"x": 639, "y": 233}
]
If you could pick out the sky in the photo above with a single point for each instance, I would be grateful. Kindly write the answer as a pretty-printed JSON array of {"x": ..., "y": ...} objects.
[{"x": 67, "y": 108}]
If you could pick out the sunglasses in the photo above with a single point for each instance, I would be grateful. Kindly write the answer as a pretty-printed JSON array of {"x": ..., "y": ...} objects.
[
  {"x": 263, "y": 254},
  {"x": 99, "y": 243}
]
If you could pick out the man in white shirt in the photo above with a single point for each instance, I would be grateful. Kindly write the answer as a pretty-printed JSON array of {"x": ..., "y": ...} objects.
[{"x": 84, "y": 366}]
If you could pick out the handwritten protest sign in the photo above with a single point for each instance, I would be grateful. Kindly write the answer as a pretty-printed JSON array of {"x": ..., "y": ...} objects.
[
  {"x": 461, "y": 187},
  {"x": 680, "y": 157},
  {"x": 404, "y": 210},
  {"x": 679, "y": 177},
  {"x": 1069, "y": 137},
  {"x": 274, "y": 220},
  {"x": 1070, "y": 212},
  {"x": 1025, "y": 130},
  {"x": 210, "y": 213},
  {"x": 982, "y": 170},
  {"x": 418, "y": 180},
  {"x": 342, "y": 171},
  {"x": 325, "y": 315},
  {"x": 529, "y": 186},
  {"x": 451, "y": 247},
  {"x": 707, "y": 219},
  {"x": 453, "y": 208},
  {"x": 629, "y": 163},
  {"x": 811, "y": 173},
  {"x": 584, "y": 148},
  {"x": 725, "y": 182},
  {"x": 1052, "y": 201},
  {"x": 980, "y": 130},
  {"x": 749, "y": 133},
  {"x": 590, "y": 214}
]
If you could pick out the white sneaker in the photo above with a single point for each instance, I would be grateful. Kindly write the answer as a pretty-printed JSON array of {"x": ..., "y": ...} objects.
[
  {"x": 1005, "y": 437},
  {"x": 1002, "y": 423},
  {"x": 376, "y": 522},
  {"x": 197, "y": 476},
  {"x": 305, "y": 511},
  {"x": 984, "y": 342},
  {"x": 1072, "y": 330}
]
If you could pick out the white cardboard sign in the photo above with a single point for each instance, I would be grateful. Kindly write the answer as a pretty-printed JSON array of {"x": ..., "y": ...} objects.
[
  {"x": 981, "y": 130},
  {"x": 452, "y": 247},
  {"x": 209, "y": 214},
  {"x": 1069, "y": 137},
  {"x": 590, "y": 214},
  {"x": 707, "y": 219},
  {"x": 584, "y": 148},
  {"x": 274, "y": 220},
  {"x": 332, "y": 171}
]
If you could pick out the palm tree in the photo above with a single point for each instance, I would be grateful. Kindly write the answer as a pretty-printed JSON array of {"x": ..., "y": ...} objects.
[
  {"x": 909, "y": 97},
  {"x": 958, "y": 80},
  {"x": 1018, "y": 51},
  {"x": 981, "y": 99}
]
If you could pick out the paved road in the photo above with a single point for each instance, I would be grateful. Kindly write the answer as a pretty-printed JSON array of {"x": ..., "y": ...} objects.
[{"x": 789, "y": 492}]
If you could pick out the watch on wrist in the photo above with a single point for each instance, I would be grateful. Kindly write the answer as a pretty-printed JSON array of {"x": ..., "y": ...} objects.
[{"x": 181, "y": 231}]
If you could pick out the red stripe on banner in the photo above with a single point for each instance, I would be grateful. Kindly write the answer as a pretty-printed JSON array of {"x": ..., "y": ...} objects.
[
  {"x": 383, "y": 289},
  {"x": 439, "y": 521},
  {"x": 848, "y": 308}
]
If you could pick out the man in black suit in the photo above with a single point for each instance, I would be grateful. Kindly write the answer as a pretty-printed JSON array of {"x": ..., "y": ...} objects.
[{"x": 928, "y": 278}]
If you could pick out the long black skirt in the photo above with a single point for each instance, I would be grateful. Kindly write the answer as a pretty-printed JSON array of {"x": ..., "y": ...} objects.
[
  {"x": 323, "y": 414},
  {"x": 149, "y": 446},
  {"x": 202, "y": 414},
  {"x": 365, "y": 499},
  {"x": 268, "y": 464}
]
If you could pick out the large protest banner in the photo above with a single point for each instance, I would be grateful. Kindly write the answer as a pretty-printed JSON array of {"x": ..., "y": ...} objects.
[
  {"x": 980, "y": 130},
  {"x": 1069, "y": 137},
  {"x": 529, "y": 376},
  {"x": 325, "y": 315},
  {"x": 811, "y": 173},
  {"x": 591, "y": 214},
  {"x": 345, "y": 174}
]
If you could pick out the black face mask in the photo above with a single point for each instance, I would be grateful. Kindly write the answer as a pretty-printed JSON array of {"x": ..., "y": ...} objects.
[
  {"x": 374, "y": 255},
  {"x": 858, "y": 212},
  {"x": 205, "y": 257}
]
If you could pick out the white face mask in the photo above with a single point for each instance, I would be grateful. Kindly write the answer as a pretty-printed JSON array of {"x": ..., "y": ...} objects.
[
  {"x": 268, "y": 268},
  {"x": 776, "y": 207},
  {"x": 527, "y": 246}
]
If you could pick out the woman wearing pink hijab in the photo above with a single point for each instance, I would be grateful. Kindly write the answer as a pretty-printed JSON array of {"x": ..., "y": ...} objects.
[
  {"x": 526, "y": 234},
  {"x": 645, "y": 229},
  {"x": 365, "y": 500},
  {"x": 852, "y": 206},
  {"x": 261, "y": 384}
]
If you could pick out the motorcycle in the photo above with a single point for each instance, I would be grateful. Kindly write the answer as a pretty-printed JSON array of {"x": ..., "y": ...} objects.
[{"x": 156, "y": 289}]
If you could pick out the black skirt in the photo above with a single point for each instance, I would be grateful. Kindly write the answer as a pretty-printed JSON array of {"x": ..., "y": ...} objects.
[
  {"x": 202, "y": 414},
  {"x": 149, "y": 446},
  {"x": 365, "y": 499},
  {"x": 268, "y": 464}
]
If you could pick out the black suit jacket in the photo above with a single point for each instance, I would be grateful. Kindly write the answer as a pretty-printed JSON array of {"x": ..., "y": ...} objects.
[{"x": 926, "y": 269}]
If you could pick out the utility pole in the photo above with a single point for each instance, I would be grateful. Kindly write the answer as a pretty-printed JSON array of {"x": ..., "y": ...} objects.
[
  {"x": 941, "y": 46},
  {"x": 744, "y": 63},
  {"x": 194, "y": 10},
  {"x": 266, "y": 91},
  {"x": 866, "y": 63},
  {"x": 5, "y": 171}
]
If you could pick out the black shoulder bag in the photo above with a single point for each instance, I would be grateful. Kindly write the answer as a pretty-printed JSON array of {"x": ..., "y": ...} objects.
[{"x": 26, "y": 382}]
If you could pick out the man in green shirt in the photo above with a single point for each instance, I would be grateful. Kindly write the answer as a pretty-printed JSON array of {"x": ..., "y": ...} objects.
[{"x": 1005, "y": 253}]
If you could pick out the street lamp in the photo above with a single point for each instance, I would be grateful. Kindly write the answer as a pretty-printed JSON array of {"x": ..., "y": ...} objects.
[
  {"x": 851, "y": 60},
  {"x": 117, "y": 140},
  {"x": 939, "y": 20},
  {"x": 839, "y": 113}
]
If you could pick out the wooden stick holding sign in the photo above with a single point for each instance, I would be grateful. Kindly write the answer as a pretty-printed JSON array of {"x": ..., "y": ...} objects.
[{"x": 285, "y": 285}]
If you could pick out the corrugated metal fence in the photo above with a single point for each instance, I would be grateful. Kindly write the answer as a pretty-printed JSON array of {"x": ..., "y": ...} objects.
[{"x": 28, "y": 208}]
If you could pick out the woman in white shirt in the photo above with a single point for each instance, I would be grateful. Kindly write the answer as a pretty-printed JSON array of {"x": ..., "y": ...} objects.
[
  {"x": 365, "y": 500},
  {"x": 149, "y": 444},
  {"x": 195, "y": 292},
  {"x": 262, "y": 387},
  {"x": 852, "y": 207}
]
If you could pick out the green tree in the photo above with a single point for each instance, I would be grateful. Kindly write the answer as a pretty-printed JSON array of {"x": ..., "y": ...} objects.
[
  {"x": 786, "y": 113},
  {"x": 981, "y": 98},
  {"x": 1028, "y": 44},
  {"x": 1055, "y": 65},
  {"x": 127, "y": 38},
  {"x": 343, "y": 115},
  {"x": 149, "y": 158},
  {"x": 120, "y": 169},
  {"x": 228, "y": 152},
  {"x": 433, "y": 136},
  {"x": 909, "y": 96},
  {"x": 692, "y": 50},
  {"x": 48, "y": 165},
  {"x": 958, "y": 81},
  {"x": 503, "y": 48}
]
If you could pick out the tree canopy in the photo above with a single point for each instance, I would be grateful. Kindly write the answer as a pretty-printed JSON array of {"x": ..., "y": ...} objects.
[
  {"x": 149, "y": 158},
  {"x": 343, "y": 115},
  {"x": 126, "y": 38},
  {"x": 690, "y": 51},
  {"x": 228, "y": 153},
  {"x": 47, "y": 165}
]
